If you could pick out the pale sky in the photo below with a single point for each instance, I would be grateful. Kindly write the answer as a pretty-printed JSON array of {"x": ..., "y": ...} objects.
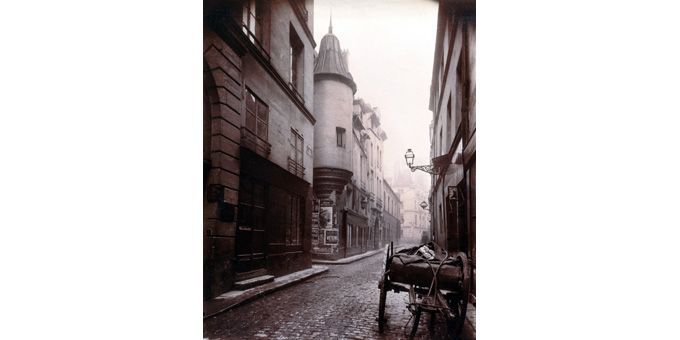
[{"x": 391, "y": 49}]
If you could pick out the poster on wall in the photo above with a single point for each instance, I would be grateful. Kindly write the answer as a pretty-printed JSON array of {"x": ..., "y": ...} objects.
[
  {"x": 331, "y": 237},
  {"x": 326, "y": 217},
  {"x": 315, "y": 223},
  {"x": 315, "y": 235}
]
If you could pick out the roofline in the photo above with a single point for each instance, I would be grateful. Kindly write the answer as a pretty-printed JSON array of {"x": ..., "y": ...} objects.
[{"x": 465, "y": 7}]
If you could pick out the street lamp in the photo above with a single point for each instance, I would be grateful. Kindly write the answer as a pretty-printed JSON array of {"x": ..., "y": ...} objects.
[{"x": 409, "y": 156}]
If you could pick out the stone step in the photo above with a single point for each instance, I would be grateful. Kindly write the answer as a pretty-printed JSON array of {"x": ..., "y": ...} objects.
[
  {"x": 241, "y": 276},
  {"x": 256, "y": 281}
]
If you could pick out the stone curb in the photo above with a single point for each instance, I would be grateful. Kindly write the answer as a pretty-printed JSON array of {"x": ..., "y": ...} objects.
[
  {"x": 232, "y": 299},
  {"x": 350, "y": 259}
]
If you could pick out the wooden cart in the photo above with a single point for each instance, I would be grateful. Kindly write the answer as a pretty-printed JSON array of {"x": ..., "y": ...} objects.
[{"x": 446, "y": 299}]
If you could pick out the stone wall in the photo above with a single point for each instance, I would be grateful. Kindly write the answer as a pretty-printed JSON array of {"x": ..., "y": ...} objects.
[
  {"x": 233, "y": 65},
  {"x": 333, "y": 108},
  {"x": 223, "y": 88}
]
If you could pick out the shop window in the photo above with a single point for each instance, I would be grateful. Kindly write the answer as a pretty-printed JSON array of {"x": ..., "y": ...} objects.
[
  {"x": 285, "y": 213},
  {"x": 349, "y": 235},
  {"x": 251, "y": 204},
  {"x": 294, "y": 220},
  {"x": 357, "y": 231}
]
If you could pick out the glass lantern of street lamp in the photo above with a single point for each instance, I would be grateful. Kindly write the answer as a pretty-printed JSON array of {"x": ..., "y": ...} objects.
[
  {"x": 409, "y": 157},
  {"x": 423, "y": 205}
]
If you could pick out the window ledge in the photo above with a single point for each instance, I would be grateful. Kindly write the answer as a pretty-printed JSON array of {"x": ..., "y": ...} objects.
[
  {"x": 296, "y": 92},
  {"x": 255, "y": 143}
]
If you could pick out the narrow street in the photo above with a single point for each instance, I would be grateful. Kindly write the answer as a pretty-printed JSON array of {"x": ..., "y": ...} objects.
[
  {"x": 339, "y": 304},
  {"x": 323, "y": 140}
]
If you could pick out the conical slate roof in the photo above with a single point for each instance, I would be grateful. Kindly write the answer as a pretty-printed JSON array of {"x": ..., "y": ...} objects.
[{"x": 330, "y": 61}]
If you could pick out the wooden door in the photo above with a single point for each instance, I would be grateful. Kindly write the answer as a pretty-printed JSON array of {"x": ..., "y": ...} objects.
[{"x": 250, "y": 231}]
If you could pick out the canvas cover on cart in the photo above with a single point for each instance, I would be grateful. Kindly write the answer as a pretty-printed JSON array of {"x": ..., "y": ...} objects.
[{"x": 413, "y": 267}]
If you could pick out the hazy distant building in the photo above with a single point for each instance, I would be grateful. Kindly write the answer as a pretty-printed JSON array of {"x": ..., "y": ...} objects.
[
  {"x": 452, "y": 102},
  {"x": 416, "y": 223},
  {"x": 371, "y": 139},
  {"x": 258, "y": 123}
]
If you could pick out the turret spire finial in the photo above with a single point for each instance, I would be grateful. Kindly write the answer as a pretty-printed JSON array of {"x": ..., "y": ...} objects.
[{"x": 330, "y": 25}]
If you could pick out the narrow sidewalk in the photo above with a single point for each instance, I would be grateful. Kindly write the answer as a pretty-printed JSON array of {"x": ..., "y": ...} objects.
[
  {"x": 236, "y": 298},
  {"x": 350, "y": 259}
]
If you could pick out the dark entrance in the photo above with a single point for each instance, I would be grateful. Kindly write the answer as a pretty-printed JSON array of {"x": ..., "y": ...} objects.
[
  {"x": 250, "y": 230},
  {"x": 456, "y": 216},
  {"x": 272, "y": 232}
]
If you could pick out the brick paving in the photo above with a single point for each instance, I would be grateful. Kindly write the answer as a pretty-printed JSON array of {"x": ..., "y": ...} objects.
[{"x": 339, "y": 304}]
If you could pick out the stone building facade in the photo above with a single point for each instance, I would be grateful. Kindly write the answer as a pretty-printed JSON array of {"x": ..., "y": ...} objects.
[
  {"x": 348, "y": 183},
  {"x": 371, "y": 139},
  {"x": 334, "y": 90},
  {"x": 416, "y": 225},
  {"x": 258, "y": 100},
  {"x": 392, "y": 215},
  {"x": 453, "y": 134}
]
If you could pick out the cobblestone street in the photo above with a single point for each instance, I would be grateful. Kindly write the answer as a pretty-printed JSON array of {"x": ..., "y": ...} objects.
[{"x": 340, "y": 304}]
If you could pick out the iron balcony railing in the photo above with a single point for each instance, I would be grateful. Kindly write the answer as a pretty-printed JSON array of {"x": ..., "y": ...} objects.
[
  {"x": 253, "y": 38},
  {"x": 296, "y": 168},
  {"x": 255, "y": 143}
]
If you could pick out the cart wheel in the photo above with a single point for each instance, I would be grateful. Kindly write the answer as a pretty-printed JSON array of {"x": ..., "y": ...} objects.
[
  {"x": 458, "y": 301},
  {"x": 381, "y": 305},
  {"x": 459, "y": 304}
]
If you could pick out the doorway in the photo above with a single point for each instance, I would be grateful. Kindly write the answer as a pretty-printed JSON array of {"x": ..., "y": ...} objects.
[{"x": 250, "y": 229}]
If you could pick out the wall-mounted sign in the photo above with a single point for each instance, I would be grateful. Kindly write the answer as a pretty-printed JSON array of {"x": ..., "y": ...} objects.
[{"x": 331, "y": 237}]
